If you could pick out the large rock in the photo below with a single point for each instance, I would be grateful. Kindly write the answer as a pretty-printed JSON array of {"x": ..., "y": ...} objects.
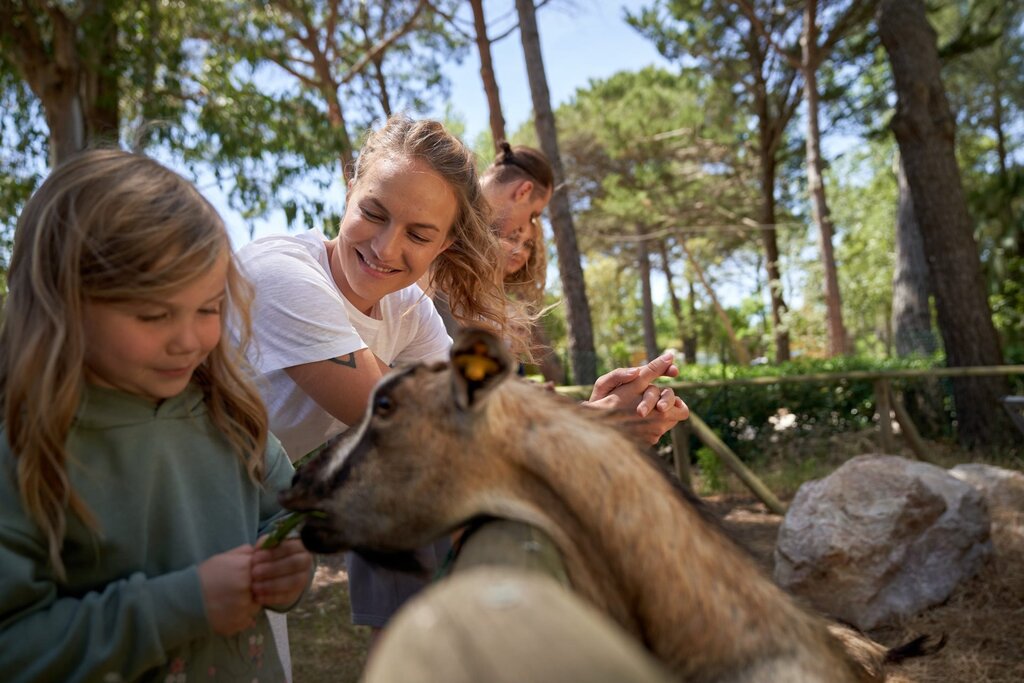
[
  {"x": 880, "y": 538},
  {"x": 1002, "y": 489}
]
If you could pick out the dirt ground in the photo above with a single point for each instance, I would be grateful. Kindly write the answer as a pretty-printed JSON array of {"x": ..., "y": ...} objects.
[{"x": 983, "y": 620}]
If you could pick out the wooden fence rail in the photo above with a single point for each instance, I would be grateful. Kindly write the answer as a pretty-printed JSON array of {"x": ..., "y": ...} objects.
[
  {"x": 506, "y": 614},
  {"x": 887, "y": 406}
]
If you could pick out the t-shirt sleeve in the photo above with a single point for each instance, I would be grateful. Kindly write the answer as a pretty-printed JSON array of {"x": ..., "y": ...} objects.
[
  {"x": 298, "y": 314},
  {"x": 430, "y": 341}
]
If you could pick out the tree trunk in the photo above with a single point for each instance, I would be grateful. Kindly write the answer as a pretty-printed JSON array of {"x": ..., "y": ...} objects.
[
  {"x": 769, "y": 239},
  {"x": 738, "y": 350},
  {"x": 690, "y": 341},
  {"x": 837, "y": 339},
  {"x": 646, "y": 300},
  {"x": 677, "y": 308},
  {"x": 770, "y": 130},
  {"x": 46, "y": 52},
  {"x": 911, "y": 312},
  {"x": 102, "y": 92},
  {"x": 925, "y": 130},
  {"x": 483, "y": 46},
  {"x": 581, "y": 334},
  {"x": 336, "y": 117}
]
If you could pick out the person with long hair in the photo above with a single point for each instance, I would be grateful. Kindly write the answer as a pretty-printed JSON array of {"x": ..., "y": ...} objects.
[
  {"x": 333, "y": 315},
  {"x": 137, "y": 470}
]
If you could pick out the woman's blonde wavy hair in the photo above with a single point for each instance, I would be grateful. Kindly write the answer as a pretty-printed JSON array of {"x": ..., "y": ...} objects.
[
  {"x": 468, "y": 272},
  {"x": 107, "y": 226}
]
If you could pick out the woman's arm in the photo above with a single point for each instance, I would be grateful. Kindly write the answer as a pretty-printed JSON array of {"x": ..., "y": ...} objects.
[{"x": 341, "y": 386}]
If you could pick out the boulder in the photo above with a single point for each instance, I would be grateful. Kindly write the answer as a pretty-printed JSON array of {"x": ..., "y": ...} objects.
[
  {"x": 1002, "y": 489},
  {"x": 881, "y": 538}
]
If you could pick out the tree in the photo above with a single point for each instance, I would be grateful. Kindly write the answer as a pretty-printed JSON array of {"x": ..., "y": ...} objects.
[
  {"x": 483, "y": 46},
  {"x": 729, "y": 49},
  {"x": 911, "y": 288},
  {"x": 67, "y": 56},
  {"x": 292, "y": 85},
  {"x": 807, "y": 59},
  {"x": 74, "y": 75},
  {"x": 581, "y": 335},
  {"x": 649, "y": 157},
  {"x": 925, "y": 131},
  {"x": 982, "y": 53}
]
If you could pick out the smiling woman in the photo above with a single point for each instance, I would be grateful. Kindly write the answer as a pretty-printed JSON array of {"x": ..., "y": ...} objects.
[
  {"x": 398, "y": 226},
  {"x": 332, "y": 316}
]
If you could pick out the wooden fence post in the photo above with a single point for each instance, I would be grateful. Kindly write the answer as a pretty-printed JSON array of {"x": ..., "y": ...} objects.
[
  {"x": 882, "y": 407},
  {"x": 733, "y": 462},
  {"x": 910, "y": 432},
  {"x": 681, "y": 453},
  {"x": 507, "y": 625}
]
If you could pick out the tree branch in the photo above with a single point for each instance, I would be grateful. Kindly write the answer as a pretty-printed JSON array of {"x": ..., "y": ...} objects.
[
  {"x": 858, "y": 12},
  {"x": 384, "y": 44},
  {"x": 786, "y": 53},
  {"x": 452, "y": 20}
]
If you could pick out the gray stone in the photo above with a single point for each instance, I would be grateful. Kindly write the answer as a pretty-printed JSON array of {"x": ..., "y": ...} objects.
[
  {"x": 880, "y": 538},
  {"x": 1002, "y": 489}
]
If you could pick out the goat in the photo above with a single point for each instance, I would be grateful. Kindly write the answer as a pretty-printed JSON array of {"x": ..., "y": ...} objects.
[{"x": 444, "y": 444}]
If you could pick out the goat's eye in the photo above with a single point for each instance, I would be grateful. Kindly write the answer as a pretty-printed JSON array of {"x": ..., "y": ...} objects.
[{"x": 383, "y": 406}]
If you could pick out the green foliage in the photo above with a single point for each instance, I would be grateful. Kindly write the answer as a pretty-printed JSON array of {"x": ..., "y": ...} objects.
[
  {"x": 614, "y": 309},
  {"x": 863, "y": 198},
  {"x": 711, "y": 475},
  {"x": 753, "y": 419}
]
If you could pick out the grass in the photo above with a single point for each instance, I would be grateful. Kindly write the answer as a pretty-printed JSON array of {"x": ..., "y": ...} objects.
[{"x": 325, "y": 646}]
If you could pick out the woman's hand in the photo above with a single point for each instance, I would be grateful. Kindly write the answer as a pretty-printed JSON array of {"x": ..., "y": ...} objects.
[{"x": 626, "y": 389}]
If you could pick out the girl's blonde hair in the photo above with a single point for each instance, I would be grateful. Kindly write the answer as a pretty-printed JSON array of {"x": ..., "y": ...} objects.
[
  {"x": 468, "y": 272},
  {"x": 107, "y": 226}
]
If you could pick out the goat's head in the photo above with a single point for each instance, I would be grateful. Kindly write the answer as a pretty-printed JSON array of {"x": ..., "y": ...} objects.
[{"x": 418, "y": 463}]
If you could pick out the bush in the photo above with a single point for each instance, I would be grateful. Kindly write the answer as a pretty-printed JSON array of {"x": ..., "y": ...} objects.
[{"x": 756, "y": 421}]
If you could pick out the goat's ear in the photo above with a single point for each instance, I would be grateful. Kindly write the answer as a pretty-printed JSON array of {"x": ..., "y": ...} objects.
[{"x": 479, "y": 363}]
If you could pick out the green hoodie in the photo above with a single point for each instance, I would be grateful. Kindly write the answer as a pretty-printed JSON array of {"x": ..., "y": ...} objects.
[{"x": 168, "y": 493}]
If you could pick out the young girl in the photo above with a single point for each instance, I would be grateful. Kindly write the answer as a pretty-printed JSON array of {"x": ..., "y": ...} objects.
[{"x": 136, "y": 471}]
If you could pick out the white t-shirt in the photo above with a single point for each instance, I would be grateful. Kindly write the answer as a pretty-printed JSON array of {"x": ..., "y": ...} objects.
[{"x": 300, "y": 316}]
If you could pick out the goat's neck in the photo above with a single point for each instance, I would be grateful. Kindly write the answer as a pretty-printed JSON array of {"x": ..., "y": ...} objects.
[{"x": 631, "y": 543}]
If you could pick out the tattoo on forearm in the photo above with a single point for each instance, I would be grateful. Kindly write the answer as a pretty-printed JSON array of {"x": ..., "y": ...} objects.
[{"x": 348, "y": 361}]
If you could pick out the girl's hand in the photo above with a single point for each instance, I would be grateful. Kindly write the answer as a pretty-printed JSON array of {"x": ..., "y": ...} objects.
[
  {"x": 226, "y": 583},
  {"x": 281, "y": 574}
]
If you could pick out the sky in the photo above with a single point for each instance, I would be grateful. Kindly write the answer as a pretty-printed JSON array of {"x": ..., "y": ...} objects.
[{"x": 580, "y": 40}]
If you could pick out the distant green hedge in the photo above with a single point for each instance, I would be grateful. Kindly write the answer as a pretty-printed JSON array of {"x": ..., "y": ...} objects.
[{"x": 748, "y": 418}]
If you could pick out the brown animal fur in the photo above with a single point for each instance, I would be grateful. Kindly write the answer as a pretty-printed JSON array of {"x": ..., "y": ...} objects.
[{"x": 441, "y": 445}]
